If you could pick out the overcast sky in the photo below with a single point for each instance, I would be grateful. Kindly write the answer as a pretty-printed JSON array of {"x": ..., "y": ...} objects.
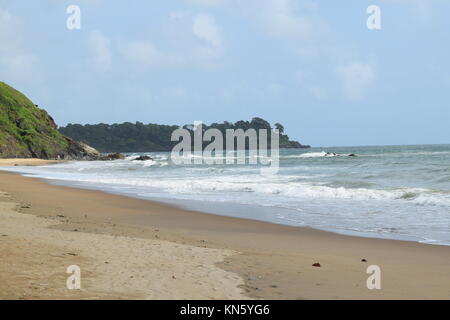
[{"x": 314, "y": 66}]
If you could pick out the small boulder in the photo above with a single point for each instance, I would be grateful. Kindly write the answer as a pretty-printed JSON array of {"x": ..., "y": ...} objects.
[
  {"x": 143, "y": 158},
  {"x": 352, "y": 155},
  {"x": 316, "y": 264},
  {"x": 116, "y": 156}
]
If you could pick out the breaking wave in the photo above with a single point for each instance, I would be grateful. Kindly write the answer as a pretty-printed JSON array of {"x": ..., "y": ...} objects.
[{"x": 400, "y": 191}]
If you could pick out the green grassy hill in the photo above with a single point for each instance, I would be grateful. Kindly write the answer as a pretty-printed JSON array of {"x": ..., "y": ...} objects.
[{"x": 27, "y": 131}]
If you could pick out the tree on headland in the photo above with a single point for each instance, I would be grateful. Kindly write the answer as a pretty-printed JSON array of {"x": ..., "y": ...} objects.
[
  {"x": 279, "y": 127},
  {"x": 139, "y": 137}
]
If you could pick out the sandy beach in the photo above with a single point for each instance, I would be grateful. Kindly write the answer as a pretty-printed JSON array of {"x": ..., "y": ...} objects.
[
  {"x": 137, "y": 249},
  {"x": 27, "y": 162}
]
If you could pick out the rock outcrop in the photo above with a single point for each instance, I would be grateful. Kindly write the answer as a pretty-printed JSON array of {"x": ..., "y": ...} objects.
[
  {"x": 113, "y": 156},
  {"x": 79, "y": 151}
]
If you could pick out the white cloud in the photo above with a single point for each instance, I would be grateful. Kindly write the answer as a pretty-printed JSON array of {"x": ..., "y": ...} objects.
[
  {"x": 292, "y": 20},
  {"x": 188, "y": 40},
  {"x": 209, "y": 33},
  {"x": 281, "y": 20},
  {"x": 195, "y": 39},
  {"x": 422, "y": 9},
  {"x": 205, "y": 28},
  {"x": 100, "y": 47},
  {"x": 356, "y": 77},
  {"x": 142, "y": 53},
  {"x": 295, "y": 23}
]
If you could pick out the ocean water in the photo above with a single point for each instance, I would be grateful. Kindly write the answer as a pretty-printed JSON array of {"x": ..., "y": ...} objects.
[{"x": 399, "y": 192}]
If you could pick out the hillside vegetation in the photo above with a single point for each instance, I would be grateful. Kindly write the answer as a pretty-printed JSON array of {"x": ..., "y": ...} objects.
[
  {"x": 26, "y": 131},
  {"x": 139, "y": 137}
]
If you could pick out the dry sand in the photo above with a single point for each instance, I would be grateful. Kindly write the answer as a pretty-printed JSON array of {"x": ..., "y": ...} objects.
[
  {"x": 35, "y": 259},
  {"x": 133, "y": 249}
]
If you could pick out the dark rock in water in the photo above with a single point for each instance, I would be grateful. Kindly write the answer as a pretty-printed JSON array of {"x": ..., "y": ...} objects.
[
  {"x": 316, "y": 264},
  {"x": 334, "y": 154},
  {"x": 363, "y": 260},
  {"x": 143, "y": 158}
]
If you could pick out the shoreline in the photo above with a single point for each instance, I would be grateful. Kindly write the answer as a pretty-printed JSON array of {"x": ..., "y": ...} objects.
[
  {"x": 273, "y": 261},
  {"x": 199, "y": 206},
  {"x": 222, "y": 209}
]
